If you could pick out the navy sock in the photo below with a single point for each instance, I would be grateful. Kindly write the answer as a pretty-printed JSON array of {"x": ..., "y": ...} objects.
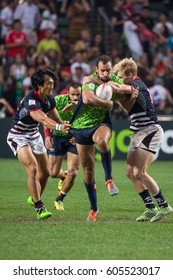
[
  {"x": 107, "y": 164},
  {"x": 91, "y": 190},
  {"x": 160, "y": 199},
  {"x": 61, "y": 196},
  {"x": 146, "y": 197},
  {"x": 39, "y": 204}
]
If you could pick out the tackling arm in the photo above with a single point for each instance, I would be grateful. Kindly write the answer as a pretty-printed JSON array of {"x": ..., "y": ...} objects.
[{"x": 90, "y": 99}]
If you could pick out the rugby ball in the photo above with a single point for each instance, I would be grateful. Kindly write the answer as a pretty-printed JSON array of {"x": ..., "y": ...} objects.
[{"x": 104, "y": 91}]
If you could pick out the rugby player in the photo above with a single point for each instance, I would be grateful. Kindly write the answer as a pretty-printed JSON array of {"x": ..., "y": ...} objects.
[
  {"x": 62, "y": 143},
  {"x": 24, "y": 137},
  {"x": 145, "y": 143},
  {"x": 91, "y": 125}
]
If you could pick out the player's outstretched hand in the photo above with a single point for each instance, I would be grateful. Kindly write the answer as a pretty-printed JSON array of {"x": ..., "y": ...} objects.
[
  {"x": 135, "y": 92},
  {"x": 65, "y": 126},
  {"x": 71, "y": 106},
  {"x": 48, "y": 142}
]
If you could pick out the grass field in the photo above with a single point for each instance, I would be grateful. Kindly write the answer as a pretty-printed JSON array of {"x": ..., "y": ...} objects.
[{"x": 67, "y": 235}]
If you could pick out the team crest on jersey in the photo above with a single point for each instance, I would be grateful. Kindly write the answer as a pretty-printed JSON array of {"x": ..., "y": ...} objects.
[
  {"x": 91, "y": 86},
  {"x": 32, "y": 102}
]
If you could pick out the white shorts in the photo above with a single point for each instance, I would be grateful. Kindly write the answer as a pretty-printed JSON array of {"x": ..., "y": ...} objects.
[
  {"x": 18, "y": 141},
  {"x": 149, "y": 138}
]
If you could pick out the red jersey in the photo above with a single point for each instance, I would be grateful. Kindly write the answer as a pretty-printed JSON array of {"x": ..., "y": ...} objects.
[{"x": 16, "y": 37}]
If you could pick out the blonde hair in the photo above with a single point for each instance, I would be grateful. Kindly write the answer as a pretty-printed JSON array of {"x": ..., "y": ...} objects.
[{"x": 127, "y": 66}]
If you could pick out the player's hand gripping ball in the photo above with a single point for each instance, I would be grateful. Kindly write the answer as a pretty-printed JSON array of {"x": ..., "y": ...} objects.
[{"x": 104, "y": 91}]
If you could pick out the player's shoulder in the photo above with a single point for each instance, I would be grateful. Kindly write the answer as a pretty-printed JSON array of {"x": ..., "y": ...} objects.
[
  {"x": 137, "y": 82},
  {"x": 116, "y": 79},
  {"x": 61, "y": 97}
]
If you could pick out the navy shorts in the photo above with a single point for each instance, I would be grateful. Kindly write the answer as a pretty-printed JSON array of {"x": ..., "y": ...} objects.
[
  {"x": 84, "y": 136},
  {"x": 61, "y": 146}
]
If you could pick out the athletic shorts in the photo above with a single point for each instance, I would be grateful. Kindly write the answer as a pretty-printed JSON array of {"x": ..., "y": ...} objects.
[
  {"x": 61, "y": 146},
  {"x": 149, "y": 138},
  {"x": 84, "y": 136},
  {"x": 18, "y": 141}
]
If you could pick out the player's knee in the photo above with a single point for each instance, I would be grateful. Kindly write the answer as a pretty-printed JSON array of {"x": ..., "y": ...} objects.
[
  {"x": 89, "y": 175},
  {"x": 44, "y": 174},
  {"x": 32, "y": 169},
  {"x": 73, "y": 172},
  {"x": 102, "y": 144},
  {"x": 53, "y": 174},
  {"x": 129, "y": 173}
]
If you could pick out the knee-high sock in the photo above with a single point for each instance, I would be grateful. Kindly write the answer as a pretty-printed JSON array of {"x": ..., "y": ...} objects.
[
  {"x": 91, "y": 190},
  {"x": 107, "y": 164}
]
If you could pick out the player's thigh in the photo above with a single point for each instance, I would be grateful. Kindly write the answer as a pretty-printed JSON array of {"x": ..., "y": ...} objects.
[
  {"x": 103, "y": 132},
  {"x": 86, "y": 155},
  {"x": 139, "y": 160},
  {"x": 55, "y": 163},
  {"x": 73, "y": 163},
  {"x": 27, "y": 158},
  {"x": 42, "y": 161}
]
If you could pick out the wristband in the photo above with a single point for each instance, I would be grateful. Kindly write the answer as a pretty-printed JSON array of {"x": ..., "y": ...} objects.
[
  {"x": 58, "y": 126},
  {"x": 47, "y": 132}
]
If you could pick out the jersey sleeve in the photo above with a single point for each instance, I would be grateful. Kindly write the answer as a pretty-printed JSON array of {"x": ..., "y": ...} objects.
[
  {"x": 90, "y": 86},
  {"x": 31, "y": 105}
]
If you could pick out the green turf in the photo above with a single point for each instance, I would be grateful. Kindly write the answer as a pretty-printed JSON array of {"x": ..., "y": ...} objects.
[{"x": 67, "y": 235}]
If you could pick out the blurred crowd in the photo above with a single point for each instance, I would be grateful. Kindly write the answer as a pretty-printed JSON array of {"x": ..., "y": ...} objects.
[{"x": 31, "y": 37}]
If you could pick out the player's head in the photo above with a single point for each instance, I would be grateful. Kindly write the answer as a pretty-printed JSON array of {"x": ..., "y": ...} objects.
[
  {"x": 40, "y": 77},
  {"x": 126, "y": 69},
  {"x": 74, "y": 91},
  {"x": 104, "y": 67}
]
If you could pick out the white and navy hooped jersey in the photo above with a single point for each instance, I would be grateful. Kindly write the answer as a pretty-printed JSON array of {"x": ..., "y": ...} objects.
[
  {"x": 22, "y": 122},
  {"x": 143, "y": 112}
]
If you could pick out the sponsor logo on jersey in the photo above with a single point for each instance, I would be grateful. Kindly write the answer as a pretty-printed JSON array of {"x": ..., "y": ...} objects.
[
  {"x": 91, "y": 86},
  {"x": 32, "y": 102}
]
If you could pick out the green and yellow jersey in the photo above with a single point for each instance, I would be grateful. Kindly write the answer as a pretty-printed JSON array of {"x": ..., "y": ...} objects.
[
  {"x": 61, "y": 102},
  {"x": 90, "y": 116}
]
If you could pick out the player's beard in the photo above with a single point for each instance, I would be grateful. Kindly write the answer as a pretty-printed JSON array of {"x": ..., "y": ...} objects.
[{"x": 105, "y": 80}]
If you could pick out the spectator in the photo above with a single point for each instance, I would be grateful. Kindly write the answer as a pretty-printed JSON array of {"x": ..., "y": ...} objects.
[
  {"x": 6, "y": 18},
  {"x": 39, "y": 60},
  {"x": 16, "y": 42},
  {"x": 117, "y": 20},
  {"x": 65, "y": 79},
  {"x": 61, "y": 7},
  {"x": 26, "y": 84},
  {"x": 18, "y": 71},
  {"x": 30, "y": 17},
  {"x": 45, "y": 24},
  {"x": 78, "y": 75},
  {"x": 5, "y": 108},
  {"x": 9, "y": 92},
  {"x": 162, "y": 23},
  {"x": 145, "y": 17},
  {"x": 3, "y": 63},
  {"x": 143, "y": 70},
  {"x": 131, "y": 33},
  {"x": 78, "y": 62},
  {"x": 48, "y": 43},
  {"x": 76, "y": 13},
  {"x": 161, "y": 97},
  {"x": 98, "y": 41},
  {"x": 169, "y": 47}
]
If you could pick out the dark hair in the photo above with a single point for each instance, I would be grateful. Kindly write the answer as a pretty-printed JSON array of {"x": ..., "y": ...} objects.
[
  {"x": 74, "y": 85},
  {"x": 104, "y": 59},
  {"x": 37, "y": 78}
]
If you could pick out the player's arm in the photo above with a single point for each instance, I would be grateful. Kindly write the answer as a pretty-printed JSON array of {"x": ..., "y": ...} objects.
[
  {"x": 121, "y": 88},
  {"x": 90, "y": 79},
  {"x": 70, "y": 106},
  {"x": 41, "y": 117},
  {"x": 90, "y": 99},
  {"x": 129, "y": 99}
]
